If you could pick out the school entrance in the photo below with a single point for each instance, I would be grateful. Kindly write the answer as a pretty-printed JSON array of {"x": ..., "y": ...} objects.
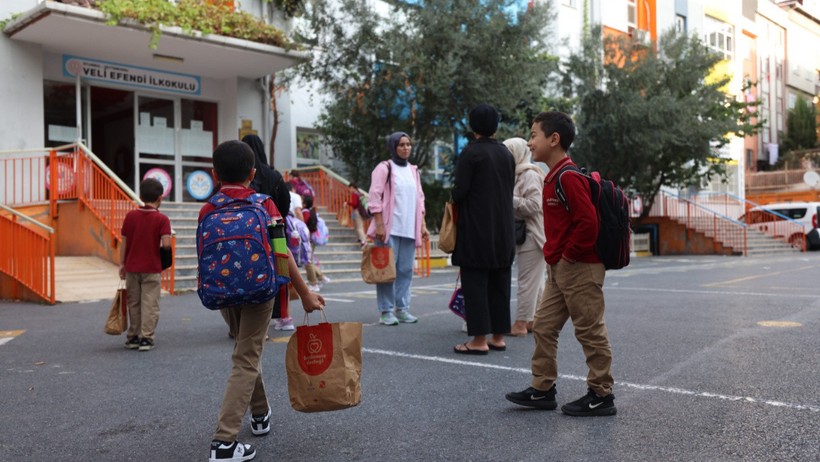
[{"x": 137, "y": 135}]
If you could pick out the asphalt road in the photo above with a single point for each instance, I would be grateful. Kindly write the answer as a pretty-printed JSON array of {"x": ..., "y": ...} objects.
[{"x": 715, "y": 358}]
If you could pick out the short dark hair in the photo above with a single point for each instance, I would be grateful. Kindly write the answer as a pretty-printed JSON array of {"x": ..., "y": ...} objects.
[
  {"x": 307, "y": 202},
  {"x": 233, "y": 161},
  {"x": 557, "y": 122},
  {"x": 151, "y": 190},
  {"x": 353, "y": 185}
]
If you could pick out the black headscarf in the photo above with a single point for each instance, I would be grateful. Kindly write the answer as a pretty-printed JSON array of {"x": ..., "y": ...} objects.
[
  {"x": 392, "y": 143},
  {"x": 267, "y": 180},
  {"x": 484, "y": 120}
]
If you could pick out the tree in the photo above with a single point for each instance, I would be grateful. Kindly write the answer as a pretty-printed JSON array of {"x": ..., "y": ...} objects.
[
  {"x": 648, "y": 119},
  {"x": 420, "y": 70},
  {"x": 801, "y": 127}
]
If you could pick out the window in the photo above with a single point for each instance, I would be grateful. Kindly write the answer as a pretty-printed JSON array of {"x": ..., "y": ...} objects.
[
  {"x": 680, "y": 24},
  {"x": 571, "y": 3},
  {"x": 632, "y": 14},
  {"x": 719, "y": 36}
]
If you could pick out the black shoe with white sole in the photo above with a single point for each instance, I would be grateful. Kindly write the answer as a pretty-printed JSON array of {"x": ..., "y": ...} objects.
[
  {"x": 534, "y": 398},
  {"x": 591, "y": 405},
  {"x": 260, "y": 424},
  {"x": 231, "y": 452}
]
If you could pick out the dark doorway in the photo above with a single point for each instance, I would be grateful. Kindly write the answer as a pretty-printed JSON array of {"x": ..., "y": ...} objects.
[{"x": 112, "y": 131}]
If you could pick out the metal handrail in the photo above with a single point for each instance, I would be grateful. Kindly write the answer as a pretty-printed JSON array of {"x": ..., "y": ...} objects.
[
  {"x": 28, "y": 219},
  {"x": 113, "y": 176}
]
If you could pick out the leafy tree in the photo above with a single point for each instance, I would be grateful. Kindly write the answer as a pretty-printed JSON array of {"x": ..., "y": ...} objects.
[
  {"x": 648, "y": 118},
  {"x": 801, "y": 126},
  {"x": 420, "y": 70}
]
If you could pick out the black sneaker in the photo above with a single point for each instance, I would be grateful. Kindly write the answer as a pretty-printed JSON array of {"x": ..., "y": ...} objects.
[
  {"x": 146, "y": 344},
  {"x": 534, "y": 398},
  {"x": 133, "y": 343},
  {"x": 591, "y": 404},
  {"x": 231, "y": 452},
  {"x": 260, "y": 424}
]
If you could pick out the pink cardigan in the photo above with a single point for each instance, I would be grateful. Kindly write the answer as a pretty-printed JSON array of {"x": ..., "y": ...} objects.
[{"x": 382, "y": 199}]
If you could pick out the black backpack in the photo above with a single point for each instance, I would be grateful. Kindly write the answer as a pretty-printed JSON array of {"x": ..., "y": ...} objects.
[{"x": 610, "y": 202}]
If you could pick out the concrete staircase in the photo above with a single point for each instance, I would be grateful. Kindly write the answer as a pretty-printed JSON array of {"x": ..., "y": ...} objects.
[
  {"x": 757, "y": 243},
  {"x": 339, "y": 260}
]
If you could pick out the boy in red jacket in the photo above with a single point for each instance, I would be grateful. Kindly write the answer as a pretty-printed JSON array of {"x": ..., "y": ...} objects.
[
  {"x": 575, "y": 278},
  {"x": 143, "y": 232}
]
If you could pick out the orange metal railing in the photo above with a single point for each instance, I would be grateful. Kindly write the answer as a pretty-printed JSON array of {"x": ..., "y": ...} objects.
[
  {"x": 77, "y": 174},
  {"x": 29, "y": 261},
  {"x": 332, "y": 192}
]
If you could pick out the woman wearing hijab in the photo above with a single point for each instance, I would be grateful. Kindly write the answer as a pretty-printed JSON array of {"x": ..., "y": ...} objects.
[
  {"x": 485, "y": 246},
  {"x": 269, "y": 181},
  {"x": 397, "y": 205},
  {"x": 529, "y": 184}
]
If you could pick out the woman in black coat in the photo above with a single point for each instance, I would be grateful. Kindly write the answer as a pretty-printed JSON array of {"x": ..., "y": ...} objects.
[{"x": 485, "y": 243}]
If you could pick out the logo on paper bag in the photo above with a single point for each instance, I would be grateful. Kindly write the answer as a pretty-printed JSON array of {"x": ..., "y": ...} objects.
[
  {"x": 315, "y": 348},
  {"x": 380, "y": 257}
]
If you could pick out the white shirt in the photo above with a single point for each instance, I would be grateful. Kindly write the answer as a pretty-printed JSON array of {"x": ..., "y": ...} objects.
[
  {"x": 404, "y": 210},
  {"x": 295, "y": 203}
]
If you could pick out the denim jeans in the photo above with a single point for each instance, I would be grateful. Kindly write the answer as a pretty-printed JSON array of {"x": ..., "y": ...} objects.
[{"x": 397, "y": 293}]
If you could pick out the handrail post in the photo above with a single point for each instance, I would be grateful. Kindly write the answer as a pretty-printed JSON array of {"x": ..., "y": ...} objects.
[{"x": 53, "y": 186}]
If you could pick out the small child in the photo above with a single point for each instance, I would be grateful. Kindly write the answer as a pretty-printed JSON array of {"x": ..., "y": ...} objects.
[
  {"x": 144, "y": 231},
  {"x": 355, "y": 205},
  {"x": 234, "y": 166},
  {"x": 315, "y": 276}
]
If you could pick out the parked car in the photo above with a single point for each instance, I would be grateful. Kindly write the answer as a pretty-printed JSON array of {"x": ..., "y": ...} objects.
[{"x": 771, "y": 218}]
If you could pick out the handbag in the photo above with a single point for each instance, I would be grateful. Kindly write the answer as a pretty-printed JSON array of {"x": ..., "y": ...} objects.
[
  {"x": 117, "y": 321},
  {"x": 447, "y": 232},
  {"x": 520, "y": 231},
  {"x": 166, "y": 257},
  {"x": 324, "y": 365},
  {"x": 456, "y": 304},
  {"x": 378, "y": 264}
]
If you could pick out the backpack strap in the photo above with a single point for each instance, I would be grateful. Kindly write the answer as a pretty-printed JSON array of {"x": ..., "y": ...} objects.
[{"x": 559, "y": 189}]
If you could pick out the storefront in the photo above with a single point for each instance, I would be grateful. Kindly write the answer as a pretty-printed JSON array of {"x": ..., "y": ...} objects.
[{"x": 144, "y": 112}]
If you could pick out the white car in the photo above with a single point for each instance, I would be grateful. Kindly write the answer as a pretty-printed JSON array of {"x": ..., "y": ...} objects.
[{"x": 768, "y": 218}]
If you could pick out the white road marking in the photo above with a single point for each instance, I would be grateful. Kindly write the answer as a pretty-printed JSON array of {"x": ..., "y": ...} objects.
[
  {"x": 638, "y": 386},
  {"x": 713, "y": 292},
  {"x": 340, "y": 300},
  {"x": 5, "y": 340}
]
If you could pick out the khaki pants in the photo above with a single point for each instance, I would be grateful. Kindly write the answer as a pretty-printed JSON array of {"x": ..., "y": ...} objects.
[
  {"x": 575, "y": 291},
  {"x": 358, "y": 225},
  {"x": 314, "y": 274},
  {"x": 532, "y": 276},
  {"x": 142, "y": 292},
  {"x": 245, "y": 388}
]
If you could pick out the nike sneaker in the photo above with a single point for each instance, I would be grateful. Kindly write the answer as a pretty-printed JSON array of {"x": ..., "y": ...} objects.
[
  {"x": 590, "y": 405},
  {"x": 534, "y": 398},
  {"x": 231, "y": 452}
]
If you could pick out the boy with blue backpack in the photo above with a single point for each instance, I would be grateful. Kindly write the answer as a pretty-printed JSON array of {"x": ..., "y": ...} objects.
[{"x": 238, "y": 273}]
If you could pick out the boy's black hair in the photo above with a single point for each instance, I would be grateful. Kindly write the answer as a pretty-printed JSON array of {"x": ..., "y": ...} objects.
[
  {"x": 151, "y": 190},
  {"x": 307, "y": 202},
  {"x": 557, "y": 122},
  {"x": 233, "y": 161},
  {"x": 353, "y": 185},
  {"x": 289, "y": 186}
]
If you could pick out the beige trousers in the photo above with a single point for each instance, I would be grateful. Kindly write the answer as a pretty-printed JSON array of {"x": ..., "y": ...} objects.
[
  {"x": 532, "y": 275},
  {"x": 142, "y": 295},
  {"x": 314, "y": 274},
  {"x": 245, "y": 388},
  {"x": 358, "y": 225},
  {"x": 574, "y": 291}
]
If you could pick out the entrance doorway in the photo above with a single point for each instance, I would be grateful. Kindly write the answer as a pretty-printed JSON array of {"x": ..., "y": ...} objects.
[{"x": 112, "y": 131}]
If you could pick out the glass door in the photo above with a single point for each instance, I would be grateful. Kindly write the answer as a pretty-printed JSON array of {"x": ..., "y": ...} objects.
[{"x": 156, "y": 143}]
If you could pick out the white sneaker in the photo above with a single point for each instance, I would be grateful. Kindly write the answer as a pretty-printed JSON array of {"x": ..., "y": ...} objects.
[
  {"x": 232, "y": 452},
  {"x": 325, "y": 279},
  {"x": 283, "y": 324},
  {"x": 314, "y": 287}
]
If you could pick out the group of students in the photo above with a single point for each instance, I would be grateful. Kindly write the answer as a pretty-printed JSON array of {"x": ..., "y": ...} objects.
[{"x": 495, "y": 183}]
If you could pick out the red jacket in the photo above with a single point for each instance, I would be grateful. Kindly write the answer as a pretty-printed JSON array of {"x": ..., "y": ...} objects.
[{"x": 572, "y": 234}]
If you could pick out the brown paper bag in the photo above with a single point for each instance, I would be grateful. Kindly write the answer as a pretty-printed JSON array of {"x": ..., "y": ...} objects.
[
  {"x": 117, "y": 321},
  {"x": 344, "y": 217},
  {"x": 447, "y": 233},
  {"x": 324, "y": 364},
  {"x": 378, "y": 264}
]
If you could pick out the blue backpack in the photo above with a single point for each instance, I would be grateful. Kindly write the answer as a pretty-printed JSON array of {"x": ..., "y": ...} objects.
[
  {"x": 235, "y": 261},
  {"x": 298, "y": 236}
]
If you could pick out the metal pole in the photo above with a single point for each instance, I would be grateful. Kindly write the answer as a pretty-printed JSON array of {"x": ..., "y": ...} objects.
[{"x": 79, "y": 108}]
